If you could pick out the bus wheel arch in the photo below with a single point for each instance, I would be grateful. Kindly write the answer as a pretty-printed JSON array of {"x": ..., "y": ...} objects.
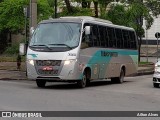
[
  {"x": 119, "y": 79},
  {"x": 124, "y": 69},
  {"x": 87, "y": 71}
]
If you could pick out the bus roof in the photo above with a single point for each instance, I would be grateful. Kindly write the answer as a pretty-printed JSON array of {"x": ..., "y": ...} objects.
[
  {"x": 80, "y": 19},
  {"x": 76, "y": 19},
  {"x": 88, "y": 18}
]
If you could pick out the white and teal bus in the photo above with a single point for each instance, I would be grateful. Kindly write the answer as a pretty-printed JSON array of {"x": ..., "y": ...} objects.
[{"x": 80, "y": 50}]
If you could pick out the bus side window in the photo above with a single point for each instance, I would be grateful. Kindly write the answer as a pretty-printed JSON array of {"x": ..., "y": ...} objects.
[
  {"x": 112, "y": 39},
  {"x": 102, "y": 37},
  {"x": 94, "y": 36},
  {"x": 86, "y": 41},
  {"x": 133, "y": 40},
  {"x": 119, "y": 38},
  {"x": 126, "y": 39}
]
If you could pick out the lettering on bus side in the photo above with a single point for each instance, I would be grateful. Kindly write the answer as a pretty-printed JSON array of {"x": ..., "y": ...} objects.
[{"x": 109, "y": 54}]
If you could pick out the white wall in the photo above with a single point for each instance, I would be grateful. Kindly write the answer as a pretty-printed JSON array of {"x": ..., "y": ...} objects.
[{"x": 150, "y": 34}]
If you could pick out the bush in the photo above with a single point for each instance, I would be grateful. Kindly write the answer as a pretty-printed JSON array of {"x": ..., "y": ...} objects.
[{"x": 14, "y": 49}]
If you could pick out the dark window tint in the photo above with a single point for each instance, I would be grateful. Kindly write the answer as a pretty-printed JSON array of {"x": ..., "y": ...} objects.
[
  {"x": 126, "y": 39},
  {"x": 103, "y": 36},
  {"x": 119, "y": 37},
  {"x": 132, "y": 40},
  {"x": 112, "y": 39},
  {"x": 95, "y": 35}
]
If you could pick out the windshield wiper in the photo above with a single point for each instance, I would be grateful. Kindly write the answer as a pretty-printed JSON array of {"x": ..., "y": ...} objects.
[
  {"x": 41, "y": 45},
  {"x": 62, "y": 45}
]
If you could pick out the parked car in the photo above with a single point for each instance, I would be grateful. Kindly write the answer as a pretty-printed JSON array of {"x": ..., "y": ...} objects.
[{"x": 156, "y": 75}]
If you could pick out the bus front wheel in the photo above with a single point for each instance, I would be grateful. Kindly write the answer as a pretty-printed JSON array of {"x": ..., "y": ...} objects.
[
  {"x": 82, "y": 83},
  {"x": 41, "y": 83}
]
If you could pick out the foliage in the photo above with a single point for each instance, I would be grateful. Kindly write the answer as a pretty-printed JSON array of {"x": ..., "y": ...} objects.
[
  {"x": 14, "y": 49},
  {"x": 77, "y": 12},
  {"x": 45, "y": 10},
  {"x": 118, "y": 15},
  {"x": 131, "y": 15},
  {"x": 12, "y": 14}
]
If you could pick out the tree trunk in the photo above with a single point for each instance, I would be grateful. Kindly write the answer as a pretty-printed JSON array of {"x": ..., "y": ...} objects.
[
  {"x": 139, "y": 49},
  {"x": 68, "y": 5},
  {"x": 86, "y": 4},
  {"x": 96, "y": 8}
]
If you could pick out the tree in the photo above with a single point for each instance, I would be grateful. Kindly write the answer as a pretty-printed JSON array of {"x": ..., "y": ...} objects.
[
  {"x": 103, "y": 6},
  {"x": 132, "y": 13},
  {"x": 12, "y": 16},
  {"x": 44, "y": 10},
  {"x": 70, "y": 10}
]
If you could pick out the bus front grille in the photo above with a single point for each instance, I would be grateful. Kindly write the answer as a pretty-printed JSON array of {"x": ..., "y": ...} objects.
[
  {"x": 48, "y": 67},
  {"x": 48, "y": 62}
]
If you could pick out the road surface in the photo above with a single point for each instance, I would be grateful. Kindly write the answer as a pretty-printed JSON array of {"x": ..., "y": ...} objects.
[{"x": 135, "y": 94}]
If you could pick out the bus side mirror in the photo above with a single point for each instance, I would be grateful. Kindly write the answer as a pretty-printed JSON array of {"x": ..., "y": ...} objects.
[
  {"x": 22, "y": 49},
  {"x": 87, "y": 30},
  {"x": 31, "y": 30}
]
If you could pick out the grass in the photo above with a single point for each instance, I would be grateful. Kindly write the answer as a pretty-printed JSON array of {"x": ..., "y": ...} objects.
[
  {"x": 10, "y": 58},
  {"x": 146, "y": 64}
]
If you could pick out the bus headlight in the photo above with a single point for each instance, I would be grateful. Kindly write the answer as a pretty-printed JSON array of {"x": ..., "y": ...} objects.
[
  {"x": 67, "y": 62},
  {"x": 31, "y": 62}
]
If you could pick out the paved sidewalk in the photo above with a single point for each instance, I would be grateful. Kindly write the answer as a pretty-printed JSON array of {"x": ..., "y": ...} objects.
[{"x": 8, "y": 71}]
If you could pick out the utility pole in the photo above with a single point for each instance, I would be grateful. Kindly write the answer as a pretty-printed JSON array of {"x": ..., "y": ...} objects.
[
  {"x": 25, "y": 19},
  {"x": 157, "y": 35},
  {"x": 33, "y": 13}
]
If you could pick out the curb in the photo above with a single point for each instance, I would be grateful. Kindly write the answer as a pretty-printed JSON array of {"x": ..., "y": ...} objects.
[
  {"x": 144, "y": 73},
  {"x": 12, "y": 79}
]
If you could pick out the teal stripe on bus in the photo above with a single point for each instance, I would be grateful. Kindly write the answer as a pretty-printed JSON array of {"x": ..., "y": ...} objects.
[{"x": 98, "y": 58}]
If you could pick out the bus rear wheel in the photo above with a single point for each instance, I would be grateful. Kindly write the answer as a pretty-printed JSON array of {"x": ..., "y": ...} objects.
[
  {"x": 119, "y": 79},
  {"x": 41, "y": 83},
  {"x": 82, "y": 83}
]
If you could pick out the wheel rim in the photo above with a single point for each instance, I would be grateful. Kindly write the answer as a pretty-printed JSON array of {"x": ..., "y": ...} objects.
[
  {"x": 122, "y": 76},
  {"x": 84, "y": 80}
]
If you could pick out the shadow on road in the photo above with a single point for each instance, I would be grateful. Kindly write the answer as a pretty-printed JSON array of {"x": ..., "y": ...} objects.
[{"x": 64, "y": 86}]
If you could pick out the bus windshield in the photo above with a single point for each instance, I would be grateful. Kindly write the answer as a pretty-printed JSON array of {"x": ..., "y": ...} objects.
[{"x": 56, "y": 34}]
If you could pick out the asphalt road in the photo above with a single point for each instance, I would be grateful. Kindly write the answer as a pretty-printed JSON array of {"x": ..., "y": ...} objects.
[{"x": 135, "y": 94}]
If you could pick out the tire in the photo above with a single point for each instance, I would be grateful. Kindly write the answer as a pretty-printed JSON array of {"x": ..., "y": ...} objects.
[
  {"x": 82, "y": 83},
  {"x": 156, "y": 85},
  {"x": 114, "y": 80},
  {"x": 41, "y": 83},
  {"x": 119, "y": 79}
]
